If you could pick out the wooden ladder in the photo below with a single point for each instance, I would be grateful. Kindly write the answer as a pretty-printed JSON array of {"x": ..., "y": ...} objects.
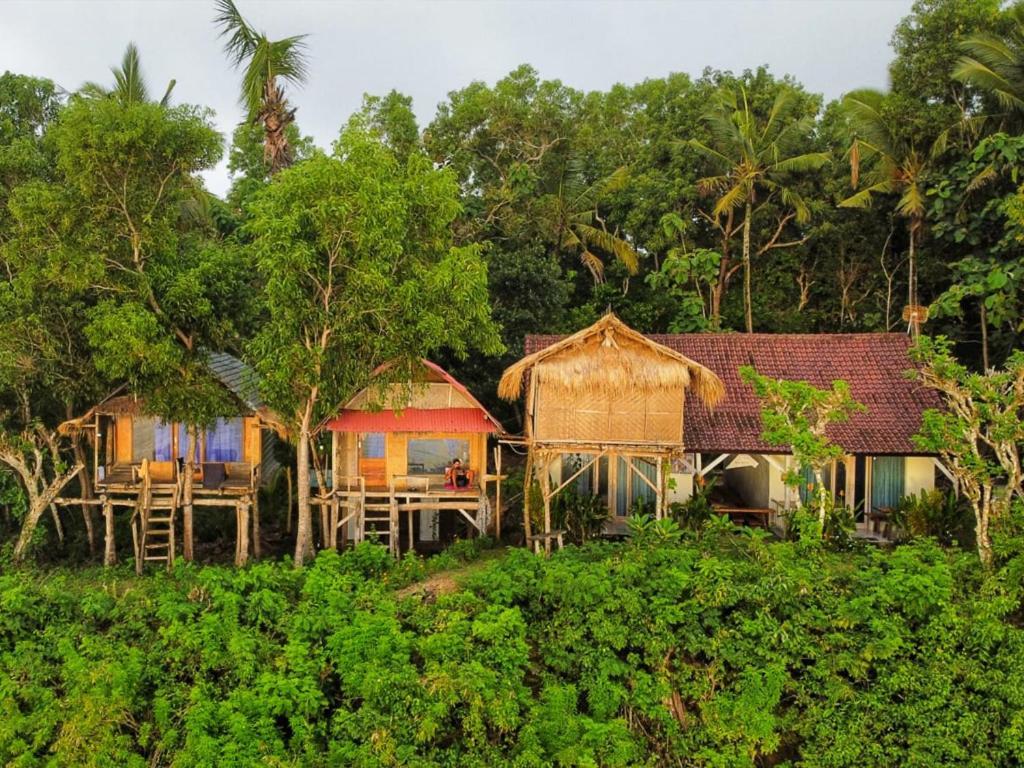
[
  {"x": 156, "y": 513},
  {"x": 382, "y": 509}
]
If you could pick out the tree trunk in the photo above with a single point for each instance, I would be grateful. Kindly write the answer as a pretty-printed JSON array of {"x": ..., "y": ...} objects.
[
  {"x": 748, "y": 310},
  {"x": 982, "y": 515},
  {"x": 187, "y": 489},
  {"x": 109, "y": 551},
  {"x": 304, "y": 527},
  {"x": 38, "y": 504},
  {"x": 822, "y": 498},
  {"x": 85, "y": 483},
  {"x": 984, "y": 336},
  {"x": 915, "y": 324}
]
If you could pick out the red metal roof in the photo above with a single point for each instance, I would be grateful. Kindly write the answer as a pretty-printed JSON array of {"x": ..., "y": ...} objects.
[
  {"x": 873, "y": 364},
  {"x": 413, "y": 420}
]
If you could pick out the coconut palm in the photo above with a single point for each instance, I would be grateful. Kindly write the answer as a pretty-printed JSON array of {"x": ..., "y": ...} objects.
[
  {"x": 129, "y": 82},
  {"x": 995, "y": 65},
  {"x": 266, "y": 64},
  {"x": 752, "y": 158},
  {"x": 899, "y": 169},
  {"x": 580, "y": 227}
]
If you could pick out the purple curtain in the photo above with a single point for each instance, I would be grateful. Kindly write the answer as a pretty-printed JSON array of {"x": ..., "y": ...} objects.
[{"x": 224, "y": 441}]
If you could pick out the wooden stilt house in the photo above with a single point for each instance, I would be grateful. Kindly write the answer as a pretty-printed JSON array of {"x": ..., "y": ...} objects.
[
  {"x": 604, "y": 407},
  {"x": 139, "y": 465},
  {"x": 391, "y": 449}
]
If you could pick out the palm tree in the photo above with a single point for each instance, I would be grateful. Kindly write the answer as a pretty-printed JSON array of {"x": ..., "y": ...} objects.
[
  {"x": 266, "y": 63},
  {"x": 750, "y": 155},
  {"x": 995, "y": 65},
  {"x": 899, "y": 169},
  {"x": 579, "y": 225},
  {"x": 129, "y": 82}
]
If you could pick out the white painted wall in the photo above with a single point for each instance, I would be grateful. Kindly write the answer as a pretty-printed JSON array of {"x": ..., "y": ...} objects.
[
  {"x": 918, "y": 475},
  {"x": 683, "y": 489}
]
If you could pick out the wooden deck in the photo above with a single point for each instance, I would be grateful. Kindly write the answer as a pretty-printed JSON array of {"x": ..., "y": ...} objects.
[{"x": 377, "y": 510}]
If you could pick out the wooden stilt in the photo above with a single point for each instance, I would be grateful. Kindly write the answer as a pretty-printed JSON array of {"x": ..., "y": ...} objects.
[
  {"x": 256, "y": 523},
  {"x": 335, "y": 516},
  {"x": 109, "y": 552},
  {"x": 527, "y": 489},
  {"x": 497, "y": 493},
  {"x": 393, "y": 525},
  {"x": 288, "y": 512},
  {"x": 545, "y": 489},
  {"x": 242, "y": 555},
  {"x": 659, "y": 494}
]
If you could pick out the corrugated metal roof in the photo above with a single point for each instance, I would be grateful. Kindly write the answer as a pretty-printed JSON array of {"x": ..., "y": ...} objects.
[
  {"x": 873, "y": 364},
  {"x": 237, "y": 377},
  {"x": 413, "y": 420}
]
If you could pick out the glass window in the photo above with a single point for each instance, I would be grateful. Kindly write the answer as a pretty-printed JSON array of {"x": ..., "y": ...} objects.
[
  {"x": 571, "y": 464},
  {"x": 886, "y": 481},
  {"x": 808, "y": 488},
  {"x": 151, "y": 439},
  {"x": 224, "y": 440},
  {"x": 372, "y": 446},
  {"x": 629, "y": 487},
  {"x": 433, "y": 456}
]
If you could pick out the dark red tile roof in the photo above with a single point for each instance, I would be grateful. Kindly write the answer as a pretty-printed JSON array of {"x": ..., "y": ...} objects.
[
  {"x": 413, "y": 420},
  {"x": 874, "y": 365}
]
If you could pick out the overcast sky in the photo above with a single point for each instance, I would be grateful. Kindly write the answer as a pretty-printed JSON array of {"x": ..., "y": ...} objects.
[{"x": 426, "y": 49}]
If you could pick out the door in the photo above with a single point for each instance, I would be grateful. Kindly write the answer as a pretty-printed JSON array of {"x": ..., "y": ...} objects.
[{"x": 372, "y": 459}]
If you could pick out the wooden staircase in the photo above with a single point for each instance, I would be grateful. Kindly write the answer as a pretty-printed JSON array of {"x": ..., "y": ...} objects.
[
  {"x": 153, "y": 524},
  {"x": 380, "y": 519}
]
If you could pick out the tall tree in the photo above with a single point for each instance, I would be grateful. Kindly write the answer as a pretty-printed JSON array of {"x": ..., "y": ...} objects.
[
  {"x": 116, "y": 225},
  {"x": 994, "y": 64},
  {"x": 979, "y": 434},
  {"x": 898, "y": 168},
  {"x": 755, "y": 159},
  {"x": 267, "y": 63},
  {"x": 356, "y": 256},
  {"x": 129, "y": 82}
]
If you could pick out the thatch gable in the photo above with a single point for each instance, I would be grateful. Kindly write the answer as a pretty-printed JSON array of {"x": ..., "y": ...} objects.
[
  {"x": 608, "y": 359},
  {"x": 608, "y": 384}
]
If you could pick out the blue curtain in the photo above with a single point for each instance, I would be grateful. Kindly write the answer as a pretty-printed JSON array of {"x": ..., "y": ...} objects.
[
  {"x": 223, "y": 442},
  {"x": 886, "y": 481},
  {"x": 162, "y": 441},
  {"x": 622, "y": 499},
  {"x": 571, "y": 464},
  {"x": 642, "y": 490},
  {"x": 629, "y": 487},
  {"x": 807, "y": 486},
  {"x": 183, "y": 443}
]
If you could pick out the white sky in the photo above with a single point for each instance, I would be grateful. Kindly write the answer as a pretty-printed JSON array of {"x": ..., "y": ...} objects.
[{"x": 427, "y": 49}]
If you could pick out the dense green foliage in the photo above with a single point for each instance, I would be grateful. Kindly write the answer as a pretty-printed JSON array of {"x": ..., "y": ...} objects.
[{"x": 723, "y": 651}]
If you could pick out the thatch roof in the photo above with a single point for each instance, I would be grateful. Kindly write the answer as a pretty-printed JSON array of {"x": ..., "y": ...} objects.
[{"x": 610, "y": 358}]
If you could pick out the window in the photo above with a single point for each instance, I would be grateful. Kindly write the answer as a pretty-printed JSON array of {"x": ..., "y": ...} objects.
[
  {"x": 224, "y": 440},
  {"x": 886, "y": 481},
  {"x": 432, "y": 456},
  {"x": 372, "y": 446},
  {"x": 629, "y": 487},
  {"x": 808, "y": 488},
  {"x": 151, "y": 439}
]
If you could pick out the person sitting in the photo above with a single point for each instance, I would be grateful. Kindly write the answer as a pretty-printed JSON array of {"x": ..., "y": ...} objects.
[{"x": 457, "y": 476}]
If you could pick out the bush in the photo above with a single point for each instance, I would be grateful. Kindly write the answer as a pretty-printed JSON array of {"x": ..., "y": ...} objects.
[
  {"x": 936, "y": 513},
  {"x": 727, "y": 650}
]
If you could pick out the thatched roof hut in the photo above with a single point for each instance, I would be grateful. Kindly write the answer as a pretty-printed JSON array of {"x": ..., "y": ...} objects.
[{"x": 608, "y": 384}]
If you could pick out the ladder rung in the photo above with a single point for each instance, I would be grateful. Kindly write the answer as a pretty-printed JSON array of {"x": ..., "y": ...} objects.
[
  {"x": 152, "y": 559},
  {"x": 159, "y": 519},
  {"x": 159, "y": 532},
  {"x": 156, "y": 546}
]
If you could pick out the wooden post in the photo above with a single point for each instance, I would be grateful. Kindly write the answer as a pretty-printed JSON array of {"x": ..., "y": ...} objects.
[
  {"x": 109, "y": 552},
  {"x": 659, "y": 494},
  {"x": 255, "y": 521},
  {"x": 527, "y": 487},
  {"x": 545, "y": 489},
  {"x": 242, "y": 552},
  {"x": 192, "y": 443},
  {"x": 393, "y": 524},
  {"x": 288, "y": 512},
  {"x": 334, "y": 517},
  {"x": 497, "y": 493}
]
